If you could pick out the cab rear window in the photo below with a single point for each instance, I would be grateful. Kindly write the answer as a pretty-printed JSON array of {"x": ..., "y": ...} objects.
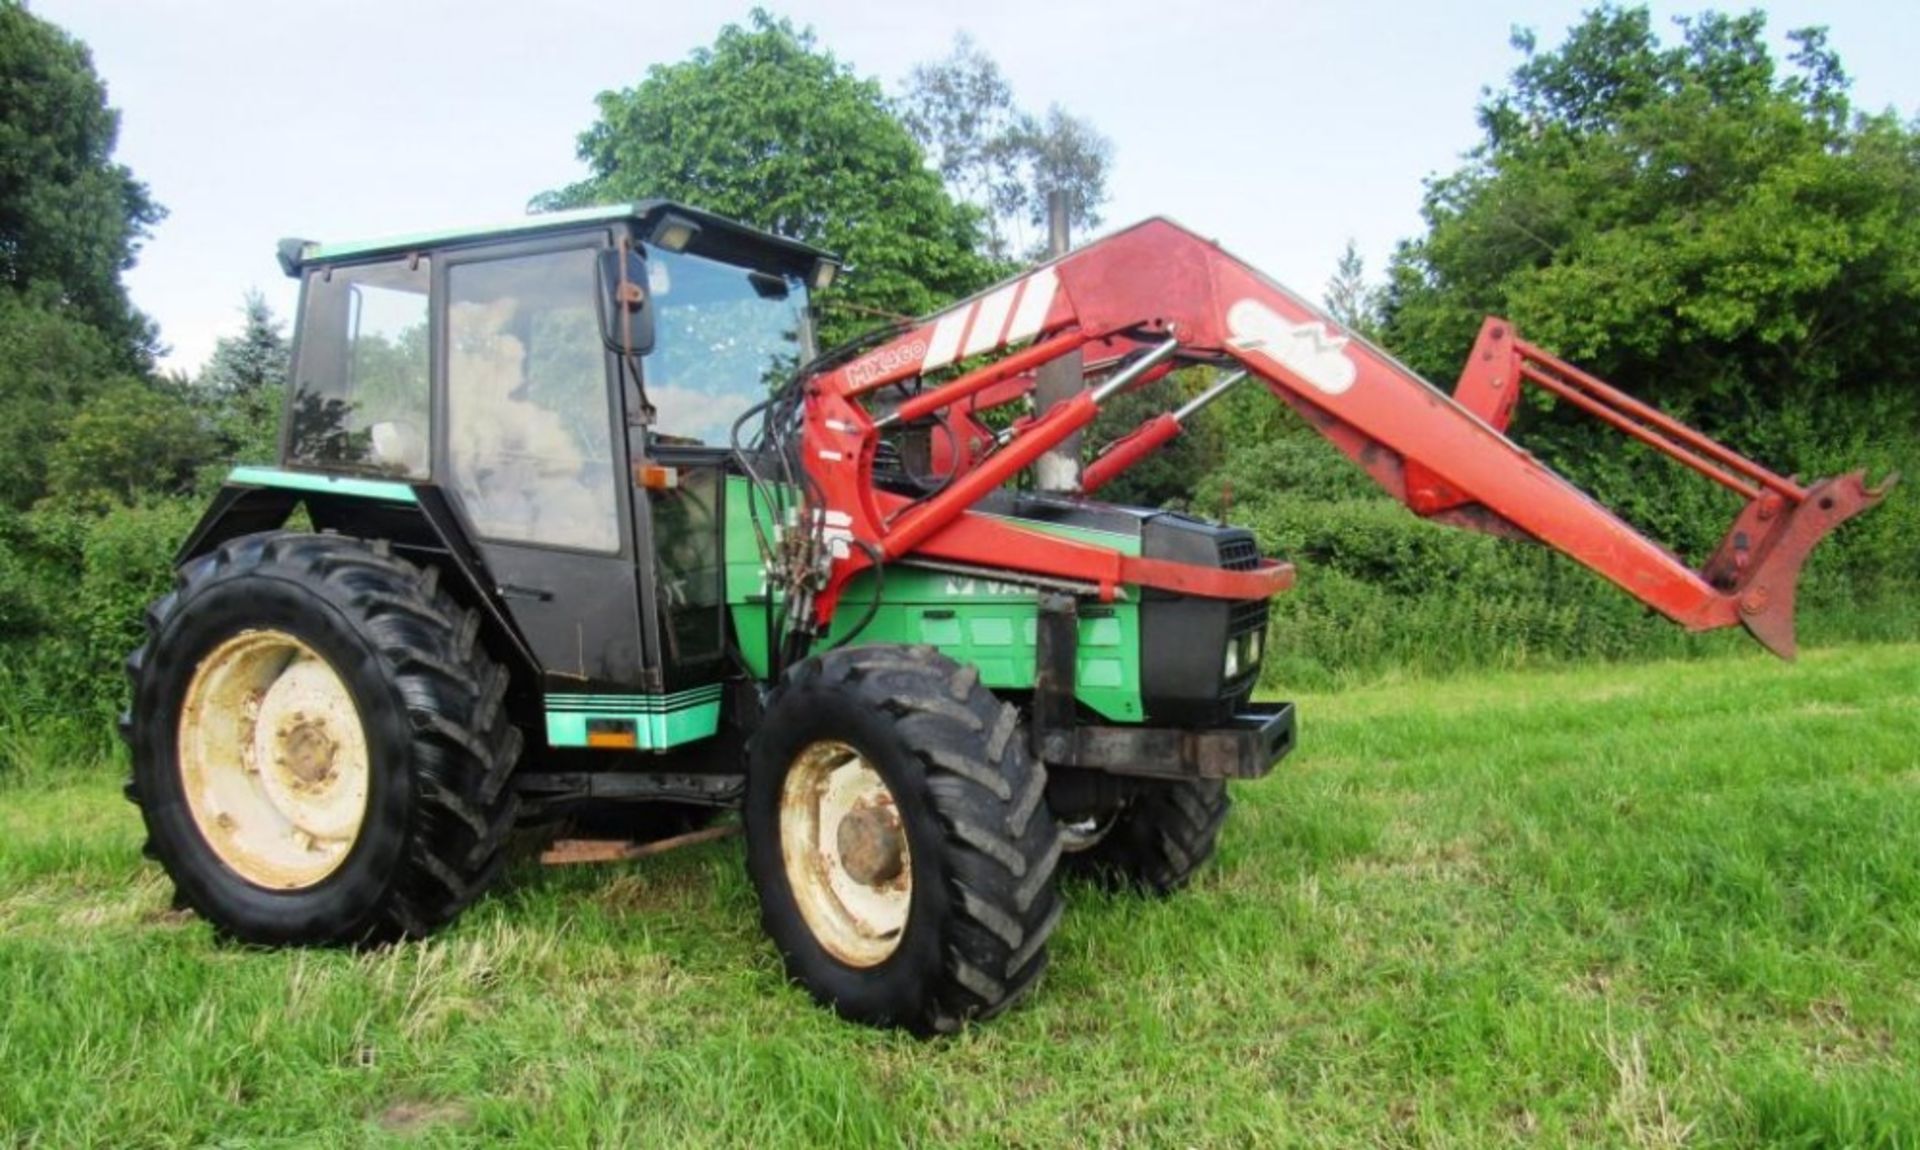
[{"x": 361, "y": 394}]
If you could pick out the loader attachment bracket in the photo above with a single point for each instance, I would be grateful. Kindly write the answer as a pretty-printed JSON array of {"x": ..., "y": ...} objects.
[
  {"x": 1755, "y": 572},
  {"x": 1767, "y": 579}
]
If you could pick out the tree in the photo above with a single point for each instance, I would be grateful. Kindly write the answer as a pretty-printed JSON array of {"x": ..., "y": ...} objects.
[
  {"x": 1000, "y": 158},
  {"x": 245, "y": 382},
  {"x": 961, "y": 111},
  {"x": 1720, "y": 231},
  {"x": 50, "y": 363},
  {"x": 255, "y": 360},
  {"x": 134, "y": 440},
  {"x": 766, "y": 127},
  {"x": 1065, "y": 153},
  {"x": 71, "y": 219},
  {"x": 1349, "y": 298}
]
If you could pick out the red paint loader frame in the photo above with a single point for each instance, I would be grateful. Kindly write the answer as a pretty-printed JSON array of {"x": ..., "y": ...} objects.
[{"x": 1153, "y": 297}]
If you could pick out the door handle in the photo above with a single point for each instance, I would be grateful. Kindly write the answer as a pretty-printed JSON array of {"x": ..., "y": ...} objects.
[{"x": 512, "y": 591}]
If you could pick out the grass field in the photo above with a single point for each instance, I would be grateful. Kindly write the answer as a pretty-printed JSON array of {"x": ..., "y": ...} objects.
[{"x": 1653, "y": 906}]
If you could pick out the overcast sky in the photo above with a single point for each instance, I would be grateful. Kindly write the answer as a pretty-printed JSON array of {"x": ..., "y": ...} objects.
[{"x": 1281, "y": 129}]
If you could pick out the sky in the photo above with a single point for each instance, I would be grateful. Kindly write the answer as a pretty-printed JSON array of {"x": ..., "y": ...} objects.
[{"x": 1280, "y": 129}]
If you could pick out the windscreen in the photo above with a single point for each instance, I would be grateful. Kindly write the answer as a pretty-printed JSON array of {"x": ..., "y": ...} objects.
[{"x": 724, "y": 336}]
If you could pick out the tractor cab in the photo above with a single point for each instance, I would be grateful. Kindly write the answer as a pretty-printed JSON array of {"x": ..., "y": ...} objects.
[{"x": 563, "y": 392}]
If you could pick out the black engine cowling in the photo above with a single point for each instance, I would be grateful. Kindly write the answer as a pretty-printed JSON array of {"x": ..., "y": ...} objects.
[{"x": 1184, "y": 641}]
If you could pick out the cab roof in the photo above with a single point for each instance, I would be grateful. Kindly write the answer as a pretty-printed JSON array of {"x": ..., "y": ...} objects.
[{"x": 717, "y": 237}]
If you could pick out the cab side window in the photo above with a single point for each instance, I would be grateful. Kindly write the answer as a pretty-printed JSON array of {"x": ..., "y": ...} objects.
[
  {"x": 529, "y": 430},
  {"x": 361, "y": 394}
]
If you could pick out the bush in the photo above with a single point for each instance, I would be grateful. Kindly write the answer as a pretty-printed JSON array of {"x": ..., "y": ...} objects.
[
  {"x": 128, "y": 563},
  {"x": 20, "y": 614},
  {"x": 133, "y": 440},
  {"x": 74, "y": 607}
]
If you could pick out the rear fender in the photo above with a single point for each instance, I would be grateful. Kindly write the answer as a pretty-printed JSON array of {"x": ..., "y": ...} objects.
[{"x": 421, "y": 528}]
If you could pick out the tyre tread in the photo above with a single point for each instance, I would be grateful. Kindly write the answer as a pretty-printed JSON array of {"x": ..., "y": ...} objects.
[
  {"x": 1160, "y": 839},
  {"x": 463, "y": 745},
  {"x": 983, "y": 787}
]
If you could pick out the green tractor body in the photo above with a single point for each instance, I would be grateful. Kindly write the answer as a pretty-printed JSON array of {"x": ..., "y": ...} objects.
[{"x": 537, "y": 585}]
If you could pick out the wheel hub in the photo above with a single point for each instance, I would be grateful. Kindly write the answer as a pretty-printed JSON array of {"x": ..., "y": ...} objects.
[
  {"x": 871, "y": 842},
  {"x": 846, "y": 854},
  {"x": 306, "y": 753},
  {"x": 273, "y": 760}
]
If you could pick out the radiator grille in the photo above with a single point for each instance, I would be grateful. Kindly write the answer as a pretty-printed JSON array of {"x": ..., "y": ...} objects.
[{"x": 1238, "y": 552}]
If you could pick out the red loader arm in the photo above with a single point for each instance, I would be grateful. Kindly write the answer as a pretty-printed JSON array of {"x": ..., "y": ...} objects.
[{"x": 1155, "y": 295}]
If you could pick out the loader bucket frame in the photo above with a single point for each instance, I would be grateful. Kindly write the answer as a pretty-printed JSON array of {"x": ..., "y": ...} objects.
[
  {"x": 1757, "y": 565},
  {"x": 1138, "y": 303}
]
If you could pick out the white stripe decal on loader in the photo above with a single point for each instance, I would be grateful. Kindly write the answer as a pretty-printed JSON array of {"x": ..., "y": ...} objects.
[
  {"x": 980, "y": 323},
  {"x": 1035, "y": 302},
  {"x": 946, "y": 339},
  {"x": 990, "y": 316}
]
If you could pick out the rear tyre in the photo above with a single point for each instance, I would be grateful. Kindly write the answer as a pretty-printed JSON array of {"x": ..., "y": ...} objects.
[
  {"x": 1155, "y": 841},
  {"x": 898, "y": 836},
  {"x": 320, "y": 751}
]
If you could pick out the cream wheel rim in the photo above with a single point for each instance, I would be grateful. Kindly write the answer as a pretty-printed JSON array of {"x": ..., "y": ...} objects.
[
  {"x": 273, "y": 760},
  {"x": 845, "y": 852}
]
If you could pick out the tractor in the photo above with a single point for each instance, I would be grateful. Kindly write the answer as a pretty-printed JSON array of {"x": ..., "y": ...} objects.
[{"x": 572, "y": 520}]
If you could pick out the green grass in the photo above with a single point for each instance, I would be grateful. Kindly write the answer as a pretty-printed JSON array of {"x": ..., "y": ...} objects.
[{"x": 1637, "y": 905}]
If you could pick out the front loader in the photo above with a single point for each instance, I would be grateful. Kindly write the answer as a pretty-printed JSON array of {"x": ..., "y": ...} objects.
[{"x": 593, "y": 532}]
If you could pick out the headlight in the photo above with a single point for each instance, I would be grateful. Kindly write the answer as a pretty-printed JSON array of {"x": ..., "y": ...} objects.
[
  {"x": 1255, "y": 642},
  {"x": 1233, "y": 660}
]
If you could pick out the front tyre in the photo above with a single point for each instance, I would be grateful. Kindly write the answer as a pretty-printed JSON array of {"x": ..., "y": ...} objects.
[
  {"x": 1155, "y": 841},
  {"x": 320, "y": 751},
  {"x": 898, "y": 836}
]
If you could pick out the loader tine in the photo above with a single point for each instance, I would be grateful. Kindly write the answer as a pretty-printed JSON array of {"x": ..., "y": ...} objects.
[{"x": 1766, "y": 596}]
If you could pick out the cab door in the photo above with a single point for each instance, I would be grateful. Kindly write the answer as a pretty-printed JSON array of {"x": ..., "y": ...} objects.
[{"x": 530, "y": 458}]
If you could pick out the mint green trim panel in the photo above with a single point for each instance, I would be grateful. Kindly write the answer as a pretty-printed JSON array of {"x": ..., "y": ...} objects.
[
  {"x": 658, "y": 721},
  {"x": 544, "y": 221},
  {"x": 652, "y": 730},
  {"x": 983, "y": 622},
  {"x": 324, "y": 484}
]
